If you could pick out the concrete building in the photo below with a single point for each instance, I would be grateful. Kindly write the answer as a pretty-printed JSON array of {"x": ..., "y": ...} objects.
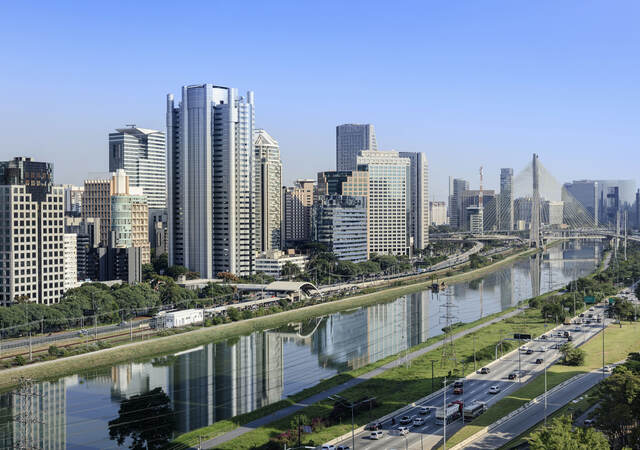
[
  {"x": 553, "y": 213},
  {"x": 475, "y": 218},
  {"x": 96, "y": 203},
  {"x": 87, "y": 233},
  {"x": 419, "y": 208},
  {"x": 119, "y": 263},
  {"x": 505, "y": 200},
  {"x": 158, "y": 233},
  {"x": 211, "y": 165},
  {"x": 141, "y": 153},
  {"x": 268, "y": 192},
  {"x": 456, "y": 187},
  {"x": 343, "y": 183},
  {"x": 70, "y": 258},
  {"x": 73, "y": 200},
  {"x": 350, "y": 140},
  {"x": 340, "y": 222},
  {"x": 438, "y": 213},
  {"x": 130, "y": 222},
  {"x": 470, "y": 201},
  {"x": 272, "y": 261},
  {"x": 389, "y": 201},
  {"x": 31, "y": 224},
  {"x": 298, "y": 203}
]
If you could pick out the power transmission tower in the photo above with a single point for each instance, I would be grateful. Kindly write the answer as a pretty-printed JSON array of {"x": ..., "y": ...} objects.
[
  {"x": 26, "y": 418},
  {"x": 448, "y": 346}
]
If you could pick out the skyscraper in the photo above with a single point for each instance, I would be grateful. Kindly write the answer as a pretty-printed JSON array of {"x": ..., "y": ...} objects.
[
  {"x": 456, "y": 187},
  {"x": 389, "y": 201},
  {"x": 211, "y": 164},
  {"x": 340, "y": 222},
  {"x": 268, "y": 192},
  {"x": 419, "y": 186},
  {"x": 142, "y": 155},
  {"x": 505, "y": 200},
  {"x": 350, "y": 140},
  {"x": 297, "y": 209},
  {"x": 438, "y": 213},
  {"x": 31, "y": 222}
]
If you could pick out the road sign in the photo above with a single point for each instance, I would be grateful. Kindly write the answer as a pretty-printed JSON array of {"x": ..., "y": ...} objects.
[{"x": 589, "y": 300}]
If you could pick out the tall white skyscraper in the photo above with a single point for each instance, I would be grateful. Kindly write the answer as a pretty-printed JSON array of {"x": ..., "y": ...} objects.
[
  {"x": 268, "y": 191},
  {"x": 419, "y": 185},
  {"x": 141, "y": 153},
  {"x": 211, "y": 165},
  {"x": 389, "y": 201},
  {"x": 350, "y": 140}
]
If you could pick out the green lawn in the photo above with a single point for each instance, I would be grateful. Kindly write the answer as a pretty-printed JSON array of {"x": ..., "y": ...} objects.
[{"x": 619, "y": 342}]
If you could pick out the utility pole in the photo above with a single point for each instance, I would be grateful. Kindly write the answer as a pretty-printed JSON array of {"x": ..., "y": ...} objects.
[
  {"x": 432, "y": 385},
  {"x": 444, "y": 413},
  {"x": 604, "y": 319},
  {"x": 475, "y": 369},
  {"x": 545, "y": 395}
]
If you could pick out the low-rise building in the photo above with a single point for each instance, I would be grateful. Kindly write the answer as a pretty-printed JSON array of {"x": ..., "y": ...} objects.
[{"x": 271, "y": 262}]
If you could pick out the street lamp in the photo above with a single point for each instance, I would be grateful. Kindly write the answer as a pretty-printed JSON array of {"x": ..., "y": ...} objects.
[{"x": 352, "y": 405}]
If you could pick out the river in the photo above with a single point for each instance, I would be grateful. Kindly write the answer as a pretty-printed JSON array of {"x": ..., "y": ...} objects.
[{"x": 197, "y": 387}]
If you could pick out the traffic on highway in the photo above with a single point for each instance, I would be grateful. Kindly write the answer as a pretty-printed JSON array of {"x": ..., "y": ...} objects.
[{"x": 422, "y": 424}]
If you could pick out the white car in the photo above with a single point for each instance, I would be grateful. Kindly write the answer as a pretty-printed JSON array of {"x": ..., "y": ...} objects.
[
  {"x": 418, "y": 422},
  {"x": 494, "y": 389},
  {"x": 375, "y": 435},
  {"x": 328, "y": 447},
  {"x": 543, "y": 349},
  {"x": 403, "y": 431}
]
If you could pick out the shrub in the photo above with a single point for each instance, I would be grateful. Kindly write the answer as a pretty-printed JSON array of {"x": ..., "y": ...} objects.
[{"x": 19, "y": 360}]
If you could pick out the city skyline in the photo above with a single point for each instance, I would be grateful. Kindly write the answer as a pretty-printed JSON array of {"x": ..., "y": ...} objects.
[{"x": 473, "y": 98}]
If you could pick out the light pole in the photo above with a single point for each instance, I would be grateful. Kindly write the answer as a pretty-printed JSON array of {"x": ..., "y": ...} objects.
[
  {"x": 545, "y": 395},
  {"x": 444, "y": 414},
  {"x": 351, "y": 405},
  {"x": 474, "y": 354},
  {"x": 604, "y": 319}
]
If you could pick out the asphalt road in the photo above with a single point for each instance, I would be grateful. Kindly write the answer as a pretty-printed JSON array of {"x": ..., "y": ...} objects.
[
  {"x": 476, "y": 387},
  {"x": 515, "y": 426}
]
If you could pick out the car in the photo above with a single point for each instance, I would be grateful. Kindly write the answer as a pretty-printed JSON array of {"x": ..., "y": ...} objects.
[
  {"x": 328, "y": 447},
  {"x": 375, "y": 435},
  {"x": 589, "y": 422},
  {"x": 543, "y": 337},
  {"x": 577, "y": 329},
  {"x": 425, "y": 410},
  {"x": 458, "y": 390},
  {"x": 405, "y": 420},
  {"x": 607, "y": 369},
  {"x": 373, "y": 426},
  {"x": 512, "y": 375},
  {"x": 343, "y": 447},
  {"x": 418, "y": 421},
  {"x": 494, "y": 390},
  {"x": 554, "y": 347},
  {"x": 539, "y": 361},
  {"x": 529, "y": 351},
  {"x": 582, "y": 315},
  {"x": 485, "y": 370},
  {"x": 403, "y": 431},
  {"x": 542, "y": 349}
]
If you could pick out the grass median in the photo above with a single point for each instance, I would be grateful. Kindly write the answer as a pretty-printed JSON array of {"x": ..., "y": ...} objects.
[{"x": 619, "y": 342}]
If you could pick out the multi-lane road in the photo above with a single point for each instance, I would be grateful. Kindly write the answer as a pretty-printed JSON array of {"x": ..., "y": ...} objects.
[{"x": 476, "y": 387}]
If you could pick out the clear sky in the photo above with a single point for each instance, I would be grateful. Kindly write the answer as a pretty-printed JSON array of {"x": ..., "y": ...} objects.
[{"x": 469, "y": 83}]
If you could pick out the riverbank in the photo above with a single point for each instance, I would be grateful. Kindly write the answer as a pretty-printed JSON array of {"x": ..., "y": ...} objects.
[{"x": 157, "y": 346}]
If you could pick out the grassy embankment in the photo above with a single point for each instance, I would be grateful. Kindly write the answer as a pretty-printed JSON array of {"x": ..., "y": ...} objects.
[
  {"x": 161, "y": 345},
  {"x": 619, "y": 342},
  {"x": 393, "y": 388}
]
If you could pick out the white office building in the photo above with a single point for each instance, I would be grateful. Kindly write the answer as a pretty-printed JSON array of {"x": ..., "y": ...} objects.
[
  {"x": 389, "y": 201},
  {"x": 419, "y": 186},
  {"x": 268, "y": 192},
  {"x": 211, "y": 191},
  {"x": 70, "y": 258},
  {"x": 141, "y": 153},
  {"x": 351, "y": 139},
  {"x": 271, "y": 262},
  {"x": 438, "y": 213}
]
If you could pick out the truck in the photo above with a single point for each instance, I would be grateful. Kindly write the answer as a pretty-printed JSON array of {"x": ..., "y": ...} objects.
[
  {"x": 452, "y": 412},
  {"x": 473, "y": 410}
]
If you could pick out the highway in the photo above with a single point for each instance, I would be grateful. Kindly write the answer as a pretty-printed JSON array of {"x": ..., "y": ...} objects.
[{"x": 476, "y": 387}]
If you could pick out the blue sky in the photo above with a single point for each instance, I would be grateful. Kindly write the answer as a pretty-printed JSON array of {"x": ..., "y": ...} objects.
[{"x": 469, "y": 83}]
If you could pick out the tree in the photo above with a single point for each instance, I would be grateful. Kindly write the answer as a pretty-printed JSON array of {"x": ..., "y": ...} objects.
[
  {"x": 176, "y": 271},
  {"x": 560, "y": 435},
  {"x": 572, "y": 356},
  {"x": 618, "y": 411},
  {"x": 148, "y": 419},
  {"x": 347, "y": 268},
  {"x": 290, "y": 270},
  {"x": 227, "y": 276}
]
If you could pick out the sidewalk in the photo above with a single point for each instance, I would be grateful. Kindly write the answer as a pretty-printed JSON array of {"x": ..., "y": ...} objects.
[{"x": 211, "y": 443}]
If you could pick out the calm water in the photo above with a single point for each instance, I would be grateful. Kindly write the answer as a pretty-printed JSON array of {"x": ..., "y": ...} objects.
[{"x": 220, "y": 380}]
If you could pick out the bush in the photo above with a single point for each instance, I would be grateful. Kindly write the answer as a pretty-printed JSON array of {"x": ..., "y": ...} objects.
[
  {"x": 19, "y": 360},
  {"x": 56, "y": 351}
]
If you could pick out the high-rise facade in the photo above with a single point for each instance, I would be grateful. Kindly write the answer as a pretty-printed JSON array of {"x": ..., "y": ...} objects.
[
  {"x": 73, "y": 200},
  {"x": 141, "y": 153},
  {"x": 470, "y": 206},
  {"x": 505, "y": 200},
  {"x": 340, "y": 222},
  {"x": 581, "y": 197},
  {"x": 389, "y": 201},
  {"x": 351, "y": 139},
  {"x": 419, "y": 187},
  {"x": 438, "y": 213},
  {"x": 268, "y": 192},
  {"x": 211, "y": 190},
  {"x": 456, "y": 187},
  {"x": 70, "y": 253},
  {"x": 298, "y": 203},
  {"x": 32, "y": 228},
  {"x": 96, "y": 202}
]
